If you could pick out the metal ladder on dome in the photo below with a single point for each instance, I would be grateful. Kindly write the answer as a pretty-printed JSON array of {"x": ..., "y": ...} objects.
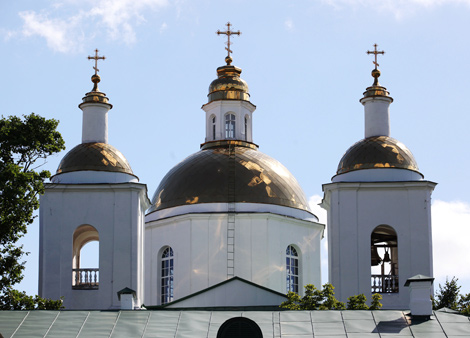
[{"x": 231, "y": 212}]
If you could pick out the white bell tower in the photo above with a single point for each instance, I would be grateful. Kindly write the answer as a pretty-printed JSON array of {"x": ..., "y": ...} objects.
[
  {"x": 94, "y": 197},
  {"x": 379, "y": 211}
]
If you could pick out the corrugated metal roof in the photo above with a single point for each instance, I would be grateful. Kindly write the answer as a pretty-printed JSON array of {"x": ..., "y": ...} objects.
[{"x": 180, "y": 324}]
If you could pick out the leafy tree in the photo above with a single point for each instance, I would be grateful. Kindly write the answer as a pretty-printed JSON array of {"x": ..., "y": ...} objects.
[
  {"x": 329, "y": 300},
  {"x": 464, "y": 304},
  {"x": 376, "y": 304},
  {"x": 17, "y": 300},
  {"x": 313, "y": 299},
  {"x": 448, "y": 295},
  {"x": 23, "y": 143},
  {"x": 357, "y": 302}
]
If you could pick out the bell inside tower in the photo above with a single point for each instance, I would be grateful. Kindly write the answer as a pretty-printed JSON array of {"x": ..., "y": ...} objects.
[{"x": 384, "y": 260}]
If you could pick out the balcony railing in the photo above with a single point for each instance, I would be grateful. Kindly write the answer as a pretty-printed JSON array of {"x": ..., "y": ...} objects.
[
  {"x": 384, "y": 284},
  {"x": 86, "y": 279}
]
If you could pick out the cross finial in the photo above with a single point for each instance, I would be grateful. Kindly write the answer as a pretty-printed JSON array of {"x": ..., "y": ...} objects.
[
  {"x": 96, "y": 58},
  {"x": 228, "y": 32},
  {"x": 375, "y": 52}
]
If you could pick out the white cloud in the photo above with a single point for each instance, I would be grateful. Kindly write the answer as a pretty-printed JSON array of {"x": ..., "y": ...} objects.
[
  {"x": 314, "y": 202},
  {"x": 289, "y": 24},
  {"x": 7, "y": 34},
  {"x": 451, "y": 236},
  {"x": 399, "y": 8},
  {"x": 57, "y": 32},
  {"x": 163, "y": 27},
  {"x": 66, "y": 32}
]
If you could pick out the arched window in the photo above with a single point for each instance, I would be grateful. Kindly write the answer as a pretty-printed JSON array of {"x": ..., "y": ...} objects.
[
  {"x": 239, "y": 327},
  {"x": 213, "y": 127},
  {"x": 167, "y": 275},
  {"x": 384, "y": 260},
  {"x": 292, "y": 269},
  {"x": 246, "y": 128},
  {"x": 85, "y": 254},
  {"x": 230, "y": 126}
]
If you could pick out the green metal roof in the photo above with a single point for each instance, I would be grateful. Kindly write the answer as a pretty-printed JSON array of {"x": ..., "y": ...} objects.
[{"x": 180, "y": 324}]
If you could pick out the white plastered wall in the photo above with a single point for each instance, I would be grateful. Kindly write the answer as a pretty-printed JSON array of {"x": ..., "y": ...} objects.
[
  {"x": 117, "y": 213},
  {"x": 354, "y": 210},
  {"x": 200, "y": 251}
]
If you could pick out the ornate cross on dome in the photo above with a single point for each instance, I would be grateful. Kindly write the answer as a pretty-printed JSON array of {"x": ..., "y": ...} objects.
[
  {"x": 375, "y": 52},
  {"x": 228, "y": 32},
  {"x": 96, "y": 58}
]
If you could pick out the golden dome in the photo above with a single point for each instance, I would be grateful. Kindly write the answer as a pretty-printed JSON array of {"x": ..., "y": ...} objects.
[
  {"x": 229, "y": 171},
  {"x": 228, "y": 85},
  {"x": 377, "y": 152},
  {"x": 94, "y": 156}
]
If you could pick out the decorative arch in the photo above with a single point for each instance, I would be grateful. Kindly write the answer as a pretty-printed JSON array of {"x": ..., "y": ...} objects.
[
  {"x": 84, "y": 277},
  {"x": 167, "y": 268},
  {"x": 239, "y": 327},
  {"x": 384, "y": 260},
  {"x": 230, "y": 125},
  {"x": 292, "y": 269}
]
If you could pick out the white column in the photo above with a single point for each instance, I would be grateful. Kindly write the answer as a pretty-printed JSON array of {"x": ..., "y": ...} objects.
[
  {"x": 376, "y": 116},
  {"x": 95, "y": 122}
]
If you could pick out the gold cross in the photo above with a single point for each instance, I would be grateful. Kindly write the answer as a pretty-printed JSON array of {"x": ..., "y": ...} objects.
[
  {"x": 228, "y": 32},
  {"x": 375, "y": 52},
  {"x": 96, "y": 58}
]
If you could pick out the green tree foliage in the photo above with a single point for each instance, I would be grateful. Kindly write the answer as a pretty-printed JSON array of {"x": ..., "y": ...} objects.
[
  {"x": 24, "y": 145},
  {"x": 448, "y": 295},
  {"x": 324, "y": 299},
  {"x": 17, "y": 300},
  {"x": 464, "y": 304},
  {"x": 313, "y": 299},
  {"x": 357, "y": 302},
  {"x": 376, "y": 304}
]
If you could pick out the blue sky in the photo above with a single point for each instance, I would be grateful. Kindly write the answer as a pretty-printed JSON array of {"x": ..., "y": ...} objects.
[{"x": 306, "y": 65}]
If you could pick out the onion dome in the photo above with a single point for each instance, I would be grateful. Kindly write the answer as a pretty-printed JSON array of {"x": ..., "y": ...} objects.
[
  {"x": 229, "y": 172},
  {"x": 377, "y": 152},
  {"x": 94, "y": 156},
  {"x": 228, "y": 85}
]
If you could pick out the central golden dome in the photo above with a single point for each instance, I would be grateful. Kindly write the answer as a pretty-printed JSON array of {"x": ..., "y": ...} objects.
[
  {"x": 229, "y": 172},
  {"x": 228, "y": 85}
]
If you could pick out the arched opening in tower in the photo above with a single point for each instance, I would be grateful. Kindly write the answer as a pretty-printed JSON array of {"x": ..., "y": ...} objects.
[{"x": 384, "y": 260}]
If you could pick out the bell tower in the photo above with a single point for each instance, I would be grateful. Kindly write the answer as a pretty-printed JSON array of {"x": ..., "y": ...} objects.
[
  {"x": 93, "y": 197},
  {"x": 379, "y": 211}
]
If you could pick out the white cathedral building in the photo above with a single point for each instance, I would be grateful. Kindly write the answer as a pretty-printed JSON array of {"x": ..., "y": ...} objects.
[{"x": 230, "y": 226}]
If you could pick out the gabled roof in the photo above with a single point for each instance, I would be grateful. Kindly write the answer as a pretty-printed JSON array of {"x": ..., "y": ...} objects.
[
  {"x": 232, "y": 293},
  {"x": 299, "y": 324}
]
